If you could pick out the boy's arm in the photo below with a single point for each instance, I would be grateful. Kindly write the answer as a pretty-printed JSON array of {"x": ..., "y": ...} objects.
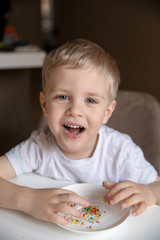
[
  {"x": 40, "y": 203},
  {"x": 6, "y": 169},
  {"x": 8, "y": 191},
  {"x": 155, "y": 187},
  {"x": 128, "y": 193}
]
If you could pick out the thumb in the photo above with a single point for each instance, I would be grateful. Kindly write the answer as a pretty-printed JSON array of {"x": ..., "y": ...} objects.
[{"x": 108, "y": 185}]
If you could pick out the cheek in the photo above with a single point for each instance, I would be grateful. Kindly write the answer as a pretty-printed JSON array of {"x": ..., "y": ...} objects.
[
  {"x": 96, "y": 120},
  {"x": 103, "y": 117},
  {"x": 54, "y": 114},
  {"x": 52, "y": 123}
]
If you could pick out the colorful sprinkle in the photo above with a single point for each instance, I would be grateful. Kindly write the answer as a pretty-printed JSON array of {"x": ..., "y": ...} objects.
[
  {"x": 104, "y": 182},
  {"x": 91, "y": 215},
  {"x": 110, "y": 202}
]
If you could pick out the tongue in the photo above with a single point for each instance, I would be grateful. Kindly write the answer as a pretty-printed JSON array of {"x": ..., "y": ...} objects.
[{"x": 73, "y": 130}]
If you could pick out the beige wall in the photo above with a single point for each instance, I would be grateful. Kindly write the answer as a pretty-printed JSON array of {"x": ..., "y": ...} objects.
[{"x": 128, "y": 29}]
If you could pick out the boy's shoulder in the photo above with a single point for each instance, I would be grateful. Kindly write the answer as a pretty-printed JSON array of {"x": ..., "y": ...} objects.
[
  {"x": 40, "y": 132},
  {"x": 112, "y": 133},
  {"x": 42, "y": 136},
  {"x": 111, "y": 138}
]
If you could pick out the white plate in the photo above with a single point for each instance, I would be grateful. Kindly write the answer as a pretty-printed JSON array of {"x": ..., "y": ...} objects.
[{"x": 111, "y": 216}]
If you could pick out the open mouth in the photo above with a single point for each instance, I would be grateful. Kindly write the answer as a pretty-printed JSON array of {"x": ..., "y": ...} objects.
[{"x": 74, "y": 129}]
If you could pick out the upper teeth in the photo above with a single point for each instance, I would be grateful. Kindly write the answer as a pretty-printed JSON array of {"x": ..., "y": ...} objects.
[{"x": 72, "y": 126}]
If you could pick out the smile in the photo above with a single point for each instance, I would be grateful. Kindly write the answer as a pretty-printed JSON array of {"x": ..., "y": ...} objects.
[{"x": 73, "y": 129}]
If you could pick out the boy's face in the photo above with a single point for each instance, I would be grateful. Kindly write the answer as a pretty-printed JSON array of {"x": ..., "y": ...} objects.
[{"x": 76, "y": 105}]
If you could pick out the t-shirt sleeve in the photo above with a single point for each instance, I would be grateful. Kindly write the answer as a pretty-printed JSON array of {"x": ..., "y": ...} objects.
[
  {"x": 24, "y": 157},
  {"x": 135, "y": 167}
]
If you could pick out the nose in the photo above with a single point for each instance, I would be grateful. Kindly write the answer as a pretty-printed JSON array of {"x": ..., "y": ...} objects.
[{"x": 75, "y": 109}]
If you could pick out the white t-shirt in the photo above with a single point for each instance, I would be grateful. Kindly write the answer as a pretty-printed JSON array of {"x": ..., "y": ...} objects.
[{"x": 116, "y": 158}]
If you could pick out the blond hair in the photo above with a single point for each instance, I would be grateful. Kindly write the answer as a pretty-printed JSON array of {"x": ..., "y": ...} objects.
[{"x": 83, "y": 53}]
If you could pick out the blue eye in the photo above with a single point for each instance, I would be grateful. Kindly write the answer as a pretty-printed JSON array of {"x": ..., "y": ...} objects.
[
  {"x": 63, "y": 97},
  {"x": 90, "y": 100}
]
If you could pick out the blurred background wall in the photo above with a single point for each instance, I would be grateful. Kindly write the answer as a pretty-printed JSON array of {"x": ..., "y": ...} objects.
[{"x": 128, "y": 29}]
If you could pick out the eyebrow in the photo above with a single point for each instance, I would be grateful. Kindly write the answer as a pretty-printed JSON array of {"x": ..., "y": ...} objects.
[
  {"x": 93, "y": 94},
  {"x": 60, "y": 90}
]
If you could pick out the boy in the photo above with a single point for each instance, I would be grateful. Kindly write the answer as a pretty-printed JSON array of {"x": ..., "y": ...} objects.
[{"x": 80, "y": 83}]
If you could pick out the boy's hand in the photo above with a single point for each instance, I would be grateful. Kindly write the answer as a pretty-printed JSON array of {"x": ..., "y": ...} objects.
[
  {"x": 45, "y": 204},
  {"x": 130, "y": 194}
]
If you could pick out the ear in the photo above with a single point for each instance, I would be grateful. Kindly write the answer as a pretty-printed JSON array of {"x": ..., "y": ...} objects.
[
  {"x": 42, "y": 100},
  {"x": 109, "y": 111}
]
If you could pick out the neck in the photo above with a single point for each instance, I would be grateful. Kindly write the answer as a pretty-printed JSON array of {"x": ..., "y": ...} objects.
[{"x": 86, "y": 153}]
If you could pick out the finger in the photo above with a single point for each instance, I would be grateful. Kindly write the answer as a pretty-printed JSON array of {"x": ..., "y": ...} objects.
[
  {"x": 108, "y": 185},
  {"x": 73, "y": 198},
  {"x": 68, "y": 210},
  {"x": 123, "y": 194},
  {"x": 141, "y": 207},
  {"x": 55, "y": 218},
  {"x": 52, "y": 216},
  {"x": 118, "y": 187},
  {"x": 132, "y": 200}
]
